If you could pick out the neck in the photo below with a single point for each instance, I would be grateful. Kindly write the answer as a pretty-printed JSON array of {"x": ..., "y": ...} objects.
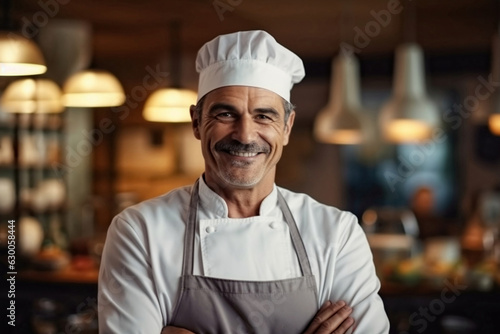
[{"x": 242, "y": 202}]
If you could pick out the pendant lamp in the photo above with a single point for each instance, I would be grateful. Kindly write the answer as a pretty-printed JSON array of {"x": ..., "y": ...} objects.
[
  {"x": 494, "y": 100},
  {"x": 409, "y": 116},
  {"x": 19, "y": 56},
  {"x": 171, "y": 104},
  {"x": 93, "y": 88},
  {"x": 32, "y": 96},
  {"x": 339, "y": 122}
]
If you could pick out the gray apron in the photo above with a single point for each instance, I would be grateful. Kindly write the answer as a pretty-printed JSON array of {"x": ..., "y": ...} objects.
[{"x": 214, "y": 305}]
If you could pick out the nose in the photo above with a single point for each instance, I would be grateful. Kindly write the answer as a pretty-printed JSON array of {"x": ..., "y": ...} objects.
[{"x": 245, "y": 130}]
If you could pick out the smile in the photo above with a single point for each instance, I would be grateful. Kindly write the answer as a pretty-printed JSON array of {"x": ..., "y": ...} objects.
[{"x": 243, "y": 154}]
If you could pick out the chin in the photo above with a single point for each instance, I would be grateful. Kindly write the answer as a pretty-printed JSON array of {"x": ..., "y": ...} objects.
[{"x": 241, "y": 182}]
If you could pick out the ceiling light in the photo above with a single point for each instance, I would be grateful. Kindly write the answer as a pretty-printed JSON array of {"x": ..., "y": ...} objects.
[
  {"x": 93, "y": 88},
  {"x": 493, "y": 103},
  {"x": 339, "y": 122},
  {"x": 409, "y": 116},
  {"x": 169, "y": 105},
  {"x": 32, "y": 96},
  {"x": 19, "y": 56}
]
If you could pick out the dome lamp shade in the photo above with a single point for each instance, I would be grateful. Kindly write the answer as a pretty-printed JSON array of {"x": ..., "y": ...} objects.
[
  {"x": 93, "y": 88},
  {"x": 19, "y": 56}
]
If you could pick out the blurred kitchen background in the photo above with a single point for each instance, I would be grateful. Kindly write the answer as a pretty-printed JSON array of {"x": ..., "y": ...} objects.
[{"x": 398, "y": 121}]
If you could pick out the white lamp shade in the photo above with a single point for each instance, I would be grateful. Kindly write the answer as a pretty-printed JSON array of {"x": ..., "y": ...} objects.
[
  {"x": 330, "y": 128},
  {"x": 169, "y": 105},
  {"x": 19, "y": 56},
  {"x": 32, "y": 96},
  {"x": 339, "y": 122},
  {"x": 407, "y": 120},
  {"x": 409, "y": 116},
  {"x": 93, "y": 88}
]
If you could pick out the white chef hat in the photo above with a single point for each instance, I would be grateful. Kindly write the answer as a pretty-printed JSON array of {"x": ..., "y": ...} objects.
[{"x": 248, "y": 58}]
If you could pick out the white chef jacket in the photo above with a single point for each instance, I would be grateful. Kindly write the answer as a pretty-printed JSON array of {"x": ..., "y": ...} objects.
[{"x": 141, "y": 265}]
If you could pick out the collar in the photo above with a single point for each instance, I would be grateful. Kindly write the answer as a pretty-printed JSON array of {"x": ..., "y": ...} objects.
[{"x": 216, "y": 207}]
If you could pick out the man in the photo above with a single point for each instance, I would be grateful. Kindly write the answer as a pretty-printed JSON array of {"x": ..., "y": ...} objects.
[{"x": 235, "y": 253}]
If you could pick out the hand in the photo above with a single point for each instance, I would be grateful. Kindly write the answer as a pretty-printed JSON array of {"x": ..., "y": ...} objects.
[
  {"x": 332, "y": 318},
  {"x": 175, "y": 330}
]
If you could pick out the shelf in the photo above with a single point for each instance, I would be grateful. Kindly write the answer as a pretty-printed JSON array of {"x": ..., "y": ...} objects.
[
  {"x": 66, "y": 275},
  {"x": 29, "y": 168},
  {"x": 29, "y": 122}
]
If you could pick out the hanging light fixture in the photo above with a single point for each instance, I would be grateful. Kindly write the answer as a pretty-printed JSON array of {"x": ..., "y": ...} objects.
[
  {"x": 171, "y": 104},
  {"x": 494, "y": 123},
  {"x": 339, "y": 122},
  {"x": 493, "y": 103},
  {"x": 488, "y": 108},
  {"x": 93, "y": 88},
  {"x": 18, "y": 55},
  {"x": 32, "y": 96},
  {"x": 409, "y": 116}
]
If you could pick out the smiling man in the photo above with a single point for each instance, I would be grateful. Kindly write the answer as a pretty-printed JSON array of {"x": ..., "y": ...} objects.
[
  {"x": 234, "y": 253},
  {"x": 243, "y": 132}
]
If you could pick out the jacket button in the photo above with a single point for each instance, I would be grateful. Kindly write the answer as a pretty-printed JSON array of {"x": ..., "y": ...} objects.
[
  {"x": 274, "y": 225},
  {"x": 210, "y": 229}
]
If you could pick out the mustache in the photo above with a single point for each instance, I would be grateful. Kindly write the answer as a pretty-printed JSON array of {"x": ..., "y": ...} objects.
[{"x": 234, "y": 145}]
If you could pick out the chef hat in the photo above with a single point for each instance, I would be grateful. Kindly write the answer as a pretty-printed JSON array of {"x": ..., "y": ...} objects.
[{"x": 248, "y": 58}]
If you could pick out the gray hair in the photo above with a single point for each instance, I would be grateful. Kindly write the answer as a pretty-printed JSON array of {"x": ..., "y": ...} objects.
[{"x": 288, "y": 106}]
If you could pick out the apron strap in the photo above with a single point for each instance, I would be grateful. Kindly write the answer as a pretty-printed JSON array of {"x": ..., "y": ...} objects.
[
  {"x": 192, "y": 227},
  {"x": 297, "y": 242}
]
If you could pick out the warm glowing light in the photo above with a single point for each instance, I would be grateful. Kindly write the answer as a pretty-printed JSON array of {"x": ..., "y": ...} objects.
[
  {"x": 369, "y": 217},
  {"x": 169, "y": 105},
  {"x": 20, "y": 69},
  {"x": 340, "y": 121},
  {"x": 342, "y": 137},
  {"x": 93, "y": 88},
  {"x": 91, "y": 99},
  {"x": 494, "y": 124},
  {"x": 19, "y": 56},
  {"x": 409, "y": 115},
  {"x": 408, "y": 130},
  {"x": 32, "y": 96}
]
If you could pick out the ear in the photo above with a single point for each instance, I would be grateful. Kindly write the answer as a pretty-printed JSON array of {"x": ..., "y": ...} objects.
[
  {"x": 195, "y": 121},
  {"x": 288, "y": 127}
]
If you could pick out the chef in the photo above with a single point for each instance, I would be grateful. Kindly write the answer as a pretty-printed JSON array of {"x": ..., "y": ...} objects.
[{"x": 235, "y": 253}]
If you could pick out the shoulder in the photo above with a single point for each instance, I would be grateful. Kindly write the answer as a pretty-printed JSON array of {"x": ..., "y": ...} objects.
[
  {"x": 318, "y": 219},
  {"x": 157, "y": 211},
  {"x": 305, "y": 204}
]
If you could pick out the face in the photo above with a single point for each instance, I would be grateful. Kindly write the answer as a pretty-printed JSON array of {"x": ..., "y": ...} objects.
[{"x": 242, "y": 132}]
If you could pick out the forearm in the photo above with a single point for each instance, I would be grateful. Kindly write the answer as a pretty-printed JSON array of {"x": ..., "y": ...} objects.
[{"x": 361, "y": 293}]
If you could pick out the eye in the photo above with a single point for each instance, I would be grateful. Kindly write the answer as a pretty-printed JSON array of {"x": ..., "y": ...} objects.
[
  {"x": 225, "y": 115},
  {"x": 264, "y": 118}
]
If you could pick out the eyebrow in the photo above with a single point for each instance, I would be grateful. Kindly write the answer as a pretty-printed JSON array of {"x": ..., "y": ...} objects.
[{"x": 219, "y": 106}]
